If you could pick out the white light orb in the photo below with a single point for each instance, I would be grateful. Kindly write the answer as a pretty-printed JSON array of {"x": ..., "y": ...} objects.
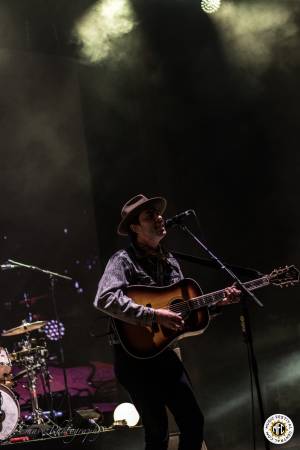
[
  {"x": 128, "y": 412},
  {"x": 210, "y": 6}
]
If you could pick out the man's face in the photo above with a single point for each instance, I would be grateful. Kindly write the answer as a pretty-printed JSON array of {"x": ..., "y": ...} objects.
[{"x": 151, "y": 225}]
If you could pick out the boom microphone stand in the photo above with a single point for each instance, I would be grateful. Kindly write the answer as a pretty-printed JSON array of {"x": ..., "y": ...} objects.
[
  {"x": 245, "y": 319},
  {"x": 52, "y": 277},
  {"x": 247, "y": 271}
]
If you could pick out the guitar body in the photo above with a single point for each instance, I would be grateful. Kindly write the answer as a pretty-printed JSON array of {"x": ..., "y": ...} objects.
[
  {"x": 184, "y": 297},
  {"x": 149, "y": 341}
]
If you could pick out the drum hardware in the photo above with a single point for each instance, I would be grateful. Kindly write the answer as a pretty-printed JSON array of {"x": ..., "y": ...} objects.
[
  {"x": 36, "y": 412},
  {"x": 23, "y": 374},
  {"x": 8, "y": 381},
  {"x": 28, "y": 352},
  {"x": 31, "y": 355},
  {"x": 33, "y": 358},
  {"x": 53, "y": 277}
]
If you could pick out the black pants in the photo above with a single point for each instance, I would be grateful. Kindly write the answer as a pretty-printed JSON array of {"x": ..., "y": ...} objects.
[{"x": 154, "y": 384}]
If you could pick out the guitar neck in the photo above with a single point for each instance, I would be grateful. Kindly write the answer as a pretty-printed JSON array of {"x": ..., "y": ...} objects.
[{"x": 215, "y": 297}]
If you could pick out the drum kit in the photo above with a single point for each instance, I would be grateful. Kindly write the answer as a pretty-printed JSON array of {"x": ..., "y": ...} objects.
[{"x": 30, "y": 354}]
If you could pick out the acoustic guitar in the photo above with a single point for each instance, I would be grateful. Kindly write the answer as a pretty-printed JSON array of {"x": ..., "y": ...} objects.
[{"x": 184, "y": 297}]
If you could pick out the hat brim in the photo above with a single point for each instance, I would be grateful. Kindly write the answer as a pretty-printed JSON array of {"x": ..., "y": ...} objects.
[{"x": 159, "y": 203}]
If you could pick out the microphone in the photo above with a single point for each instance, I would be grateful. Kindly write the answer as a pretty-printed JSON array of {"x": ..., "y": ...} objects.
[
  {"x": 9, "y": 266},
  {"x": 176, "y": 220}
]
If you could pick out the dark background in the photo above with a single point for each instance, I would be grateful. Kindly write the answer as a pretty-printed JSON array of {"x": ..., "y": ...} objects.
[{"x": 201, "y": 109}]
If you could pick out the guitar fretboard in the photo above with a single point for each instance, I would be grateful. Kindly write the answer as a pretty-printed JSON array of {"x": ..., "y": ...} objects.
[{"x": 215, "y": 297}]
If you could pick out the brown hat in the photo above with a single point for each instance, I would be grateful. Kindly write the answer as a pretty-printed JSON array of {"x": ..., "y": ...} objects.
[{"x": 134, "y": 206}]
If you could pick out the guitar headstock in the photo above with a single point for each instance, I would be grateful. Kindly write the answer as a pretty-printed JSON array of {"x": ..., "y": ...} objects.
[{"x": 285, "y": 276}]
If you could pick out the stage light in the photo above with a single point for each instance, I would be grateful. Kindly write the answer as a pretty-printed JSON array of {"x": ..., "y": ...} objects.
[
  {"x": 128, "y": 413},
  {"x": 54, "y": 330},
  {"x": 100, "y": 29},
  {"x": 210, "y": 6}
]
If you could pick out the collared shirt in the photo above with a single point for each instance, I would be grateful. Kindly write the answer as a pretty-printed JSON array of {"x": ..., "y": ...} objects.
[{"x": 134, "y": 266}]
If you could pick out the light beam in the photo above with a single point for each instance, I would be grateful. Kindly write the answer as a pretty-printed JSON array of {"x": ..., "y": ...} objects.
[{"x": 99, "y": 29}]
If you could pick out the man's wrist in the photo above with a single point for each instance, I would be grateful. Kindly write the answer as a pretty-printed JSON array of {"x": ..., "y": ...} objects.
[{"x": 154, "y": 318}]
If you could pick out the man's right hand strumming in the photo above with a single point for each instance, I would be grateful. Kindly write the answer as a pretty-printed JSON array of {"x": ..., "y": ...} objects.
[{"x": 169, "y": 319}]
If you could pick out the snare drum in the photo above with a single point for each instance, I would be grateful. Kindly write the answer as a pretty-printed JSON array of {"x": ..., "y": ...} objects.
[
  {"x": 9, "y": 412},
  {"x": 5, "y": 363}
]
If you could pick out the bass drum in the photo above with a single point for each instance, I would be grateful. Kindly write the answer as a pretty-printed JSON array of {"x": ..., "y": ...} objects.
[{"x": 9, "y": 412}]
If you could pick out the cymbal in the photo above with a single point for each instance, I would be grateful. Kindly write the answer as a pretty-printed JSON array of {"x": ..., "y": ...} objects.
[{"x": 26, "y": 327}]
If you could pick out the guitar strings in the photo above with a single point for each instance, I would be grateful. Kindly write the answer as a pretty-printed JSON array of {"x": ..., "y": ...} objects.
[
  {"x": 185, "y": 305},
  {"x": 188, "y": 305}
]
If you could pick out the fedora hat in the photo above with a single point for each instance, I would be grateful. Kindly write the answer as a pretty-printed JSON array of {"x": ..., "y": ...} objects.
[{"x": 134, "y": 206}]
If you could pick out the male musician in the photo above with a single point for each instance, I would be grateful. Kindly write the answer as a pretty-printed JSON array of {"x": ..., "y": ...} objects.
[{"x": 161, "y": 381}]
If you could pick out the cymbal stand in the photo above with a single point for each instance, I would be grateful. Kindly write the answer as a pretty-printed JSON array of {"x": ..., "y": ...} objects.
[
  {"x": 45, "y": 379},
  {"x": 37, "y": 414},
  {"x": 32, "y": 361}
]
